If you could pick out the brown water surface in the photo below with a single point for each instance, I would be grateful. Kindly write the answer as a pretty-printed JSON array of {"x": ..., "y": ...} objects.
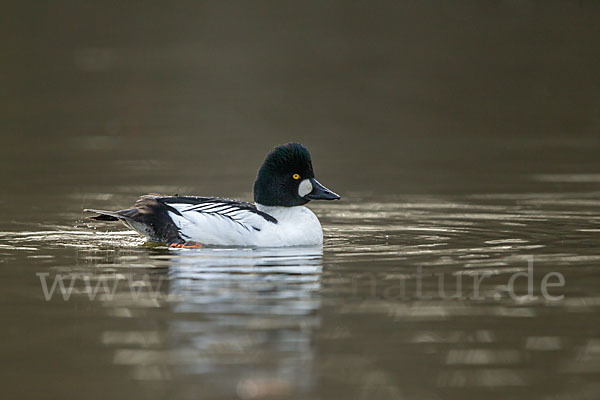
[{"x": 464, "y": 142}]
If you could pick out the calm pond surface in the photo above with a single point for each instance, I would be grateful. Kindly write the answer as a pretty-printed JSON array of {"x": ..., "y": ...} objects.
[
  {"x": 345, "y": 321},
  {"x": 463, "y": 141}
]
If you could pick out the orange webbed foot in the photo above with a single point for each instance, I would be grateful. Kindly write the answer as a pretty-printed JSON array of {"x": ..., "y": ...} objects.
[
  {"x": 193, "y": 245},
  {"x": 187, "y": 245}
]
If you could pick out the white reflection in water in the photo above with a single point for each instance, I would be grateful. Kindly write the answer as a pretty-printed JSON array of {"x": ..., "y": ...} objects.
[{"x": 230, "y": 309}]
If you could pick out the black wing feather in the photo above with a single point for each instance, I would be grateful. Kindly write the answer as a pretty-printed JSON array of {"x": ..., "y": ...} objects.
[{"x": 213, "y": 203}]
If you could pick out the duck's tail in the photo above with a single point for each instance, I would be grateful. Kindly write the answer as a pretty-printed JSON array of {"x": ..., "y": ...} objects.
[
  {"x": 130, "y": 218},
  {"x": 108, "y": 215},
  {"x": 149, "y": 217}
]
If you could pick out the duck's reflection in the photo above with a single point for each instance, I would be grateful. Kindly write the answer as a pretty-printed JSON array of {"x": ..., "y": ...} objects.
[{"x": 233, "y": 321}]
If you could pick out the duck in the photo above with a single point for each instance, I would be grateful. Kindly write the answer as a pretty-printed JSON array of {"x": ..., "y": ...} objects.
[{"x": 284, "y": 184}]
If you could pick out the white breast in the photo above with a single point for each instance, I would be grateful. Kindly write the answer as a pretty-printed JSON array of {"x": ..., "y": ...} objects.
[{"x": 296, "y": 226}]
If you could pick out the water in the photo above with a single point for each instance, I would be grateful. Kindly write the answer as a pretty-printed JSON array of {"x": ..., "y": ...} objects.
[
  {"x": 462, "y": 139},
  {"x": 312, "y": 322}
]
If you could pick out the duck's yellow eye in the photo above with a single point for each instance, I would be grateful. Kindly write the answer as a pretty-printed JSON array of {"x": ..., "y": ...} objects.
[{"x": 296, "y": 176}]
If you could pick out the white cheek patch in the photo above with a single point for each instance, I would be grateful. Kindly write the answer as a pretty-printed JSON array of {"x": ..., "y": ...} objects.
[{"x": 304, "y": 188}]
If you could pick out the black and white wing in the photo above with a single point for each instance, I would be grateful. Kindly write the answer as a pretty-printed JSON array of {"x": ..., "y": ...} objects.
[{"x": 215, "y": 221}]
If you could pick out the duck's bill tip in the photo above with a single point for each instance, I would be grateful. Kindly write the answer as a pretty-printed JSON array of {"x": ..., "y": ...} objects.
[{"x": 320, "y": 192}]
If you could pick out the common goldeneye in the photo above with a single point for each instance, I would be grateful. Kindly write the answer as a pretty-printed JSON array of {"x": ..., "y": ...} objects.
[{"x": 284, "y": 183}]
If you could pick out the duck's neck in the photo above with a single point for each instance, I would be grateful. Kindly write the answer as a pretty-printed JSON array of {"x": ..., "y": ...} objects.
[{"x": 279, "y": 212}]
